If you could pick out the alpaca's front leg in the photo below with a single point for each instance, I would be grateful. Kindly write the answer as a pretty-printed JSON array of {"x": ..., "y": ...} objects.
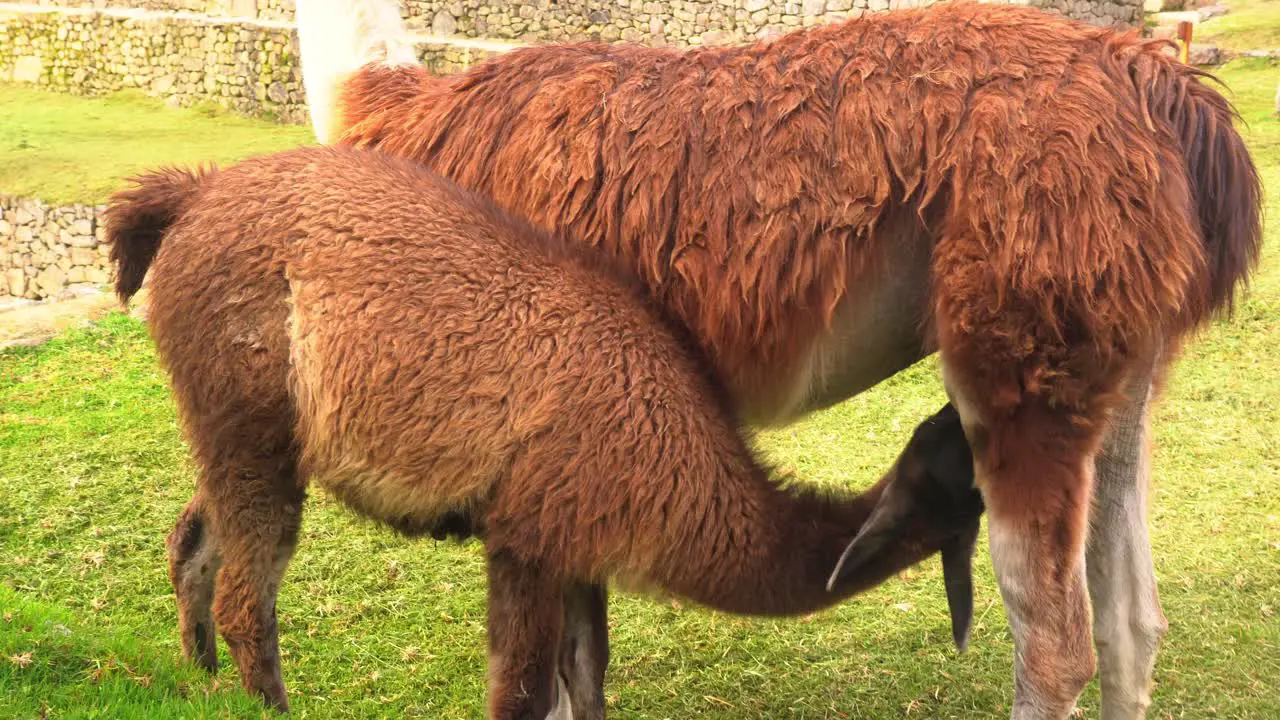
[
  {"x": 193, "y": 564},
  {"x": 526, "y": 616},
  {"x": 1127, "y": 621}
]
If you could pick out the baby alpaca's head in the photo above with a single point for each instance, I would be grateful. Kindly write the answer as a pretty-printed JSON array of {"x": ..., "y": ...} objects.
[{"x": 930, "y": 499}]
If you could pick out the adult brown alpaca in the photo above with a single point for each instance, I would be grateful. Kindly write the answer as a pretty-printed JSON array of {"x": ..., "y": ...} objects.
[
  {"x": 1051, "y": 205},
  {"x": 342, "y": 316}
]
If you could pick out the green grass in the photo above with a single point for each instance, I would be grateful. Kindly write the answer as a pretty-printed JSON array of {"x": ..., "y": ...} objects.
[
  {"x": 50, "y": 663},
  {"x": 1251, "y": 25},
  {"x": 65, "y": 149},
  {"x": 93, "y": 471}
]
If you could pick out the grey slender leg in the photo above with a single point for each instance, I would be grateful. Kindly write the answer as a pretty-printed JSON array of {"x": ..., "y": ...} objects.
[{"x": 1128, "y": 622}]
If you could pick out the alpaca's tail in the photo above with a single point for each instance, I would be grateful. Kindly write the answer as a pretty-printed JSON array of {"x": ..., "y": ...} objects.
[
  {"x": 1224, "y": 181},
  {"x": 138, "y": 218},
  {"x": 338, "y": 37}
]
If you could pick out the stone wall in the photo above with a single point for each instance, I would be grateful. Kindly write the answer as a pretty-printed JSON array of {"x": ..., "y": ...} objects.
[
  {"x": 654, "y": 22},
  {"x": 260, "y": 9},
  {"x": 46, "y": 248},
  {"x": 686, "y": 22},
  {"x": 248, "y": 66}
]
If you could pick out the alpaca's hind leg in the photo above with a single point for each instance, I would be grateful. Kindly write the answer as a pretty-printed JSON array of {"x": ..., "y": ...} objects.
[
  {"x": 193, "y": 563},
  {"x": 1034, "y": 470},
  {"x": 1036, "y": 358},
  {"x": 1127, "y": 621},
  {"x": 1034, "y": 462},
  {"x": 257, "y": 509},
  {"x": 526, "y": 613},
  {"x": 584, "y": 649}
]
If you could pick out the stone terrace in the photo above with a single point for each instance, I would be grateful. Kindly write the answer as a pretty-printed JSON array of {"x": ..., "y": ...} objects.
[
  {"x": 674, "y": 22},
  {"x": 247, "y": 65}
]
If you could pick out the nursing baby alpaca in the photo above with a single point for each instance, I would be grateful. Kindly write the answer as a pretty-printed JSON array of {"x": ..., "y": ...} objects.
[{"x": 342, "y": 317}]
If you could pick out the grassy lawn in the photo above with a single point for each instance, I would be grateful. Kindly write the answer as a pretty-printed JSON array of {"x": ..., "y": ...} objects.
[
  {"x": 93, "y": 472},
  {"x": 1251, "y": 25},
  {"x": 64, "y": 149}
]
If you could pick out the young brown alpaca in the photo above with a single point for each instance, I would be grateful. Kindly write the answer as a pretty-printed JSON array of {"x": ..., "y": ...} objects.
[
  {"x": 342, "y": 316},
  {"x": 1051, "y": 205}
]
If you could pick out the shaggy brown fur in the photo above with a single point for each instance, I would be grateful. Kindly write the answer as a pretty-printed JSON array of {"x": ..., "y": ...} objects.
[
  {"x": 340, "y": 316},
  {"x": 746, "y": 185},
  {"x": 1068, "y": 200}
]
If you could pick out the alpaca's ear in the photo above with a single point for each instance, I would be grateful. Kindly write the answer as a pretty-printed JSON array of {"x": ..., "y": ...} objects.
[
  {"x": 957, "y": 576},
  {"x": 884, "y": 529},
  {"x": 877, "y": 535}
]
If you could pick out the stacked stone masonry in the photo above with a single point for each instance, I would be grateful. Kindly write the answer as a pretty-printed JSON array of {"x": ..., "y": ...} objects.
[
  {"x": 685, "y": 22},
  {"x": 48, "y": 248},
  {"x": 256, "y": 9},
  {"x": 248, "y": 66},
  {"x": 674, "y": 22}
]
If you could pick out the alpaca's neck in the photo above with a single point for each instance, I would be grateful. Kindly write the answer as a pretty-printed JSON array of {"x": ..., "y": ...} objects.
[
  {"x": 336, "y": 38},
  {"x": 777, "y": 551}
]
